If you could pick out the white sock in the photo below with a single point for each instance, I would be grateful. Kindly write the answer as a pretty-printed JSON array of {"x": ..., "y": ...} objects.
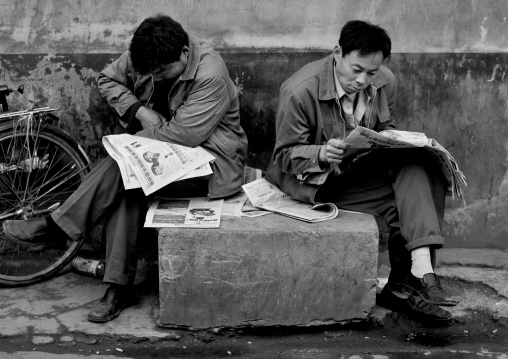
[{"x": 421, "y": 263}]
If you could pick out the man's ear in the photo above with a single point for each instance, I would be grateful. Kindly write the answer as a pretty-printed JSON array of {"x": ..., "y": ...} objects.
[
  {"x": 337, "y": 52},
  {"x": 185, "y": 52}
]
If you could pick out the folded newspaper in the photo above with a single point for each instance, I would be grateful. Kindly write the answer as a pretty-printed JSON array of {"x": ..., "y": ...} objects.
[
  {"x": 199, "y": 212},
  {"x": 364, "y": 138},
  {"x": 152, "y": 164},
  {"x": 267, "y": 196}
]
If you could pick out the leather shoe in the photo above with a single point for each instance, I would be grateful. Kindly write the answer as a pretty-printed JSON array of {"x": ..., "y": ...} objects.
[
  {"x": 31, "y": 231},
  {"x": 431, "y": 290},
  {"x": 396, "y": 298},
  {"x": 111, "y": 304}
]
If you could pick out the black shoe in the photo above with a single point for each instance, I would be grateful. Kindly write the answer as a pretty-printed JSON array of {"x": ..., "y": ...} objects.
[
  {"x": 397, "y": 299},
  {"x": 31, "y": 231},
  {"x": 431, "y": 290},
  {"x": 112, "y": 303}
]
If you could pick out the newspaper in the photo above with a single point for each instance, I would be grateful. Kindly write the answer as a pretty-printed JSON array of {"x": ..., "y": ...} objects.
[
  {"x": 266, "y": 196},
  {"x": 199, "y": 212},
  {"x": 233, "y": 205},
  {"x": 362, "y": 139},
  {"x": 152, "y": 164}
]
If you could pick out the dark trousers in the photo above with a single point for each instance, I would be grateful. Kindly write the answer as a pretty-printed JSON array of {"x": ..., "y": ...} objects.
[
  {"x": 102, "y": 194},
  {"x": 406, "y": 187}
]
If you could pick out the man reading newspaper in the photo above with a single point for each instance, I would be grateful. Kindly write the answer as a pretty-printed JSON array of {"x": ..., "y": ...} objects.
[
  {"x": 170, "y": 86},
  {"x": 319, "y": 106}
]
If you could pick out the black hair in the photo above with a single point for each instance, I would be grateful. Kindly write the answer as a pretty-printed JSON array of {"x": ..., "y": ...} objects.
[
  {"x": 364, "y": 37},
  {"x": 157, "y": 41}
]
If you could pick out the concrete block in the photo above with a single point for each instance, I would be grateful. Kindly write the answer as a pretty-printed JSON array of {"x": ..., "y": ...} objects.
[{"x": 267, "y": 271}]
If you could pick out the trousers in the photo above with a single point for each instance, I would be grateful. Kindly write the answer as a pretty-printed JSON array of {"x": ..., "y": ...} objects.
[
  {"x": 102, "y": 195},
  {"x": 406, "y": 187}
]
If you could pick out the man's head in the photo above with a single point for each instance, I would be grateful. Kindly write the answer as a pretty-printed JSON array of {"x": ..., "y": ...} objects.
[
  {"x": 362, "y": 49},
  {"x": 160, "y": 47}
]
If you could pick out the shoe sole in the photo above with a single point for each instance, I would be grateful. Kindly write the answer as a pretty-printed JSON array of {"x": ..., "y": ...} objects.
[{"x": 12, "y": 238}]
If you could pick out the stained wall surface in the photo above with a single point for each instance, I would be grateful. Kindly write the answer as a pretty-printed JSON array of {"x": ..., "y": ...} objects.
[{"x": 449, "y": 56}]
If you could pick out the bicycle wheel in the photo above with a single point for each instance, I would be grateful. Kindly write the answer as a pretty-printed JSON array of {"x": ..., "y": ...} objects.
[{"x": 40, "y": 166}]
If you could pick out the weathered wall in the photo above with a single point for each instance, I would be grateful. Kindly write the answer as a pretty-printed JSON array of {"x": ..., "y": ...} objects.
[{"x": 450, "y": 58}]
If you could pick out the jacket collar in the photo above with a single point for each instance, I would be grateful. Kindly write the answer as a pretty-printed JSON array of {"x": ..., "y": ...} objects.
[
  {"x": 327, "y": 80},
  {"x": 194, "y": 57}
]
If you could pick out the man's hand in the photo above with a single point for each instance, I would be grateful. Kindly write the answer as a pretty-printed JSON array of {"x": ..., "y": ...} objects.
[
  {"x": 333, "y": 151},
  {"x": 149, "y": 118}
]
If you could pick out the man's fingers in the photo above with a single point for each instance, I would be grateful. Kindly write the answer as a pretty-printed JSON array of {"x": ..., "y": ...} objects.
[{"x": 337, "y": 143}]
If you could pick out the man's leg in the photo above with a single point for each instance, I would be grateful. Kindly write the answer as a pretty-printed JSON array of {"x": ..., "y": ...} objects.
[
  {"x": 79, "y": 213},
  {"x": 122, "y": 234},
  {"x": 370, "y": 186}
]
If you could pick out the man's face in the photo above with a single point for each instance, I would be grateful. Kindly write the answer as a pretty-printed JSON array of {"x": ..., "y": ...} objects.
[
  {"x": 356, "y": 72},
  {"x": 173, "y": 70}
]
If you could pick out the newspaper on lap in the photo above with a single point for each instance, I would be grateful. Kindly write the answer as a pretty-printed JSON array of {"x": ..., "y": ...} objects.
[
  {"x": 267, "y": 196},
  {"x": 152, "y": 164},
  {"x": 362, "y": 140}
]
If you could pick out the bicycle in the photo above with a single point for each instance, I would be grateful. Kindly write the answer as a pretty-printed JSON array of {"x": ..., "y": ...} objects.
[{"x": 40, "y": 166}]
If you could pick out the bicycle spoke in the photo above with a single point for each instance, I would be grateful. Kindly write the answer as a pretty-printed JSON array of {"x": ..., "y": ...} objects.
[{"x": 38, "y": 167}]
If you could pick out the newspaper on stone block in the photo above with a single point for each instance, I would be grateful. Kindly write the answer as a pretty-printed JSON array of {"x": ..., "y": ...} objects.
[
  {"x": 267, "y": 196},
  {"x": 361, "y": 139},
  {"x": 199, "y": 212},
  {"x": 152, "y": 164}
]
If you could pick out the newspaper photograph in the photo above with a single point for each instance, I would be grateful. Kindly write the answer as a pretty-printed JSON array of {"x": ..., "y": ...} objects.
[
  {"x": 152, "y": 164},
  {"x": 267, "y": 196},
  {"x": 199, "y": 212}
]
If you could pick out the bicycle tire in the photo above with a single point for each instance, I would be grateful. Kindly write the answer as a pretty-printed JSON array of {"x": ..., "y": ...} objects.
[{"x": 28, "y": 264}]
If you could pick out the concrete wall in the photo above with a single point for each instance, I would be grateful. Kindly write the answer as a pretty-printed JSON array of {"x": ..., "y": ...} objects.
[{"x": 450, "y": 58}]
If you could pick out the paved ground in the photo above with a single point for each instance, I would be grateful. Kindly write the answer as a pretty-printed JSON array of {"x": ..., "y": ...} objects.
[{"x": 48, "y": 320}]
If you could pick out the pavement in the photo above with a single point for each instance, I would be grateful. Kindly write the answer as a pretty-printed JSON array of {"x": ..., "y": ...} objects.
[{"x": 48, "y": 320}]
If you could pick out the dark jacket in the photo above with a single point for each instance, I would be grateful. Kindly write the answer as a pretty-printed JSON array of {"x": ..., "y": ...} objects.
[
  {"x": 309, "y": 115},
  {"x": 204, "y": 111}
]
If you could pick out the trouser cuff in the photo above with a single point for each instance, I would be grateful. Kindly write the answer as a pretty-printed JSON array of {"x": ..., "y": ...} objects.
[{"x": 434, "y": 241}]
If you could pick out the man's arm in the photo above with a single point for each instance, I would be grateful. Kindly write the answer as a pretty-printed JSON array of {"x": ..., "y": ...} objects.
[
  {"x": 198, "y": 116},
  {"x": 115, "y": 85},
  {"x": 390, "y": 90},
  {"x": 295, "y": 152}
]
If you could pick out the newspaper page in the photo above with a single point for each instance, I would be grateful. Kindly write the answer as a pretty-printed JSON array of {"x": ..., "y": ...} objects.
[
  {"x": 152, "y": 164},
  {"x": 233, "y": 205},
  {"x": 267, "y": 196},
  {"x": 199, "y": 212},
  {"x": 363, "y": 139}
]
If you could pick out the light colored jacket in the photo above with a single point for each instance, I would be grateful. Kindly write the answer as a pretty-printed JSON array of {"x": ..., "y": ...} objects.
[
  {"x": 204, "y": 110},
  {"x": 309, "y": 115}
]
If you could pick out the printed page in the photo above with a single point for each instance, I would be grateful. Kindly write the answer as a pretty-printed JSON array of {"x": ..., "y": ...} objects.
[
  {"x": 199, "y": 212},
  {"x": 156, "y": 163},
  {"x": 267, "y": 196},
  {"x": 233, "y": 205}
]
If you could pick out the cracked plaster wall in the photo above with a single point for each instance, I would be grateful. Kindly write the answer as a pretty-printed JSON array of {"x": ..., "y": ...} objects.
[{"x": 449, "y": 57}]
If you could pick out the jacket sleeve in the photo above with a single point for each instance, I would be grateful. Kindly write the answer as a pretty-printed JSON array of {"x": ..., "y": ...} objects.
[
  {"x": 198, "y": 116},
  {"x": 390, "y": 90},
  {"x": 294, "y": 151},
  {"x": 116, "y": 83}
]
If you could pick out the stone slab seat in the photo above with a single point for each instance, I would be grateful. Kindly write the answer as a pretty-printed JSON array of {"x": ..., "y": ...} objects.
[{"x": 268, "y": 271}]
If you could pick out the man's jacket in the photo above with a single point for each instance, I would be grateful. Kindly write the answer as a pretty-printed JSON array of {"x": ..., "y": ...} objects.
[
  {"x": 204, "y": 111},
  {"x": 309, "y": 115}
]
